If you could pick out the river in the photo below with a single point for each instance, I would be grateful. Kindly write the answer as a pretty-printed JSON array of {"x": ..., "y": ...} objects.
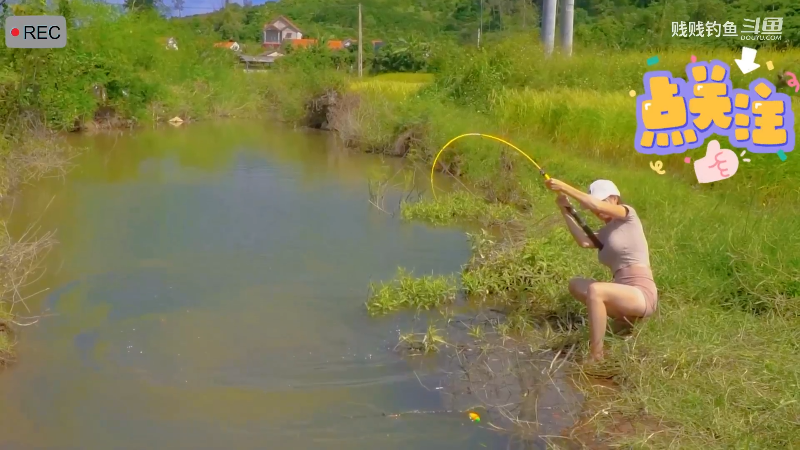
[{"x": 208, "y": 292}]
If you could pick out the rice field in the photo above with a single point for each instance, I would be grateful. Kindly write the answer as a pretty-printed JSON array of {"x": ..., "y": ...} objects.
[{"x": 393, "y": 85}]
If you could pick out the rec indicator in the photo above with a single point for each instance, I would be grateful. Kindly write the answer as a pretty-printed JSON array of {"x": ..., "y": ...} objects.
[{"x": 36, "y": 32}]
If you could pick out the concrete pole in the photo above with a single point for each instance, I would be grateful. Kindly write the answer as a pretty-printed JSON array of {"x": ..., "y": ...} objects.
[
  {"x": 567, "y": 19},
  {"x": 549, "y": 26},
  {"x": 360, "y": 45},
  {"x": 480, "y": 29}
]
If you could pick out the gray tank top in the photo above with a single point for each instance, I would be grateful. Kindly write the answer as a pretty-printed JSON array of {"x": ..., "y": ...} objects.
[{"x": 624, "y": 243}]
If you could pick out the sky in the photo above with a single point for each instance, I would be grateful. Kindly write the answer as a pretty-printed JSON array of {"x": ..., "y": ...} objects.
[{"x": 192, "y": 7}]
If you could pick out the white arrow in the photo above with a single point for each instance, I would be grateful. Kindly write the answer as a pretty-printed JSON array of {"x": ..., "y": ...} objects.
[{"x": 747, "y": 63}]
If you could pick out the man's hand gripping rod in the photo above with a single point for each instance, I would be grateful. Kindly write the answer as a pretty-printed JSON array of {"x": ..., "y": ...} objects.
[{"x": 572, "y": 212}]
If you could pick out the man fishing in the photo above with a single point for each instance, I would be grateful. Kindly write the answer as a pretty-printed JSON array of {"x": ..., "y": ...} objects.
[{"x": 623, "y": 248}]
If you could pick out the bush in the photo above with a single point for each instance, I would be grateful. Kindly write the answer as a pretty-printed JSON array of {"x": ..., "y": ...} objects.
[{"x": 120, "y": 62}]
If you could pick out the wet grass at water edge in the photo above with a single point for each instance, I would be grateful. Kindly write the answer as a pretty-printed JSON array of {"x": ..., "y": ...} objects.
[
  {"x": 19, "y": 264},
  {"x": 24, "y": 160},
  {"x": 407, "y": 291},
  {"x": 679, "y": 368},
  {"x": 458, "y": 205}
]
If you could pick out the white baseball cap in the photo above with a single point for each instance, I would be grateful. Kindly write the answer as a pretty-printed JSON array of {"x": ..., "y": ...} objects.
[{"x": 602, "y": 189}]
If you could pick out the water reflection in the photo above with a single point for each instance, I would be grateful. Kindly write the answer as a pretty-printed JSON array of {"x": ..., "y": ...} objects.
[{"x": 208, "y": 292}]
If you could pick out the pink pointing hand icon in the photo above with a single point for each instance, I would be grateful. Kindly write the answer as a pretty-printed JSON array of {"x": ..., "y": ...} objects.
[{"x": 718, "y": 164}]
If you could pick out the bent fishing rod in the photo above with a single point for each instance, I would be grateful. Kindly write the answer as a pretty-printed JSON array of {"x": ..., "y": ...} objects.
[{"x": 570, "y": 209}]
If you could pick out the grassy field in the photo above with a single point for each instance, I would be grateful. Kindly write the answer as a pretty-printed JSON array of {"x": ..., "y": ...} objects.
[{"x": 716, "y": 367}]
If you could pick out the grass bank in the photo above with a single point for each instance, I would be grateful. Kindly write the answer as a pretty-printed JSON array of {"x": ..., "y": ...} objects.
[
  {"x": 716, "y": 367},
  {"x": 118, "y": 71}
]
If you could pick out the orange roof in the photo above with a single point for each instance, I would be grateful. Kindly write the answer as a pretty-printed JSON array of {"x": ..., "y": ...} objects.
[
  {"x": 303, "y": 42},
  {"x": 228, "y": 44}
]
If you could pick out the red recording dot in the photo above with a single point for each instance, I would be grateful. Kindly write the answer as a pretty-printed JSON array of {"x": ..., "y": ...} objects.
[{"x": 14, "y": 32}]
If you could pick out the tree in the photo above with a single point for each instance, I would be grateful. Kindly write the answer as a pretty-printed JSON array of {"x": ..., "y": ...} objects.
[
  {"x": 65, "y": 9},
  {"x": 177, "y": 5},
  {"x": 5, "y": 11},
  {"x": 28, "y": 7},
  {"x": 402, "y": 55},
  {"x": 231, "y": 22},
  {"x": 142, "y": 5}
]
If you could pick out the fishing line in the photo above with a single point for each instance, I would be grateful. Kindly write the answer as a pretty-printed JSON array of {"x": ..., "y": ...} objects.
[
  {"x": 406, "y": 413},
  {"x": 571, "y": 210}
]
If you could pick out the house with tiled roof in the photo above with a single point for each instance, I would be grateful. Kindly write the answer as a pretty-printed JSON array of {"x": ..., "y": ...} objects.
[
  {"x": 279, "y": 30},
  {"x": 282, "y": 31}
]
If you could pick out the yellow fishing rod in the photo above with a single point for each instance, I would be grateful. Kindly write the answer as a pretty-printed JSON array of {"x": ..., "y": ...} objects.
[{"x": 571, "y": 210}]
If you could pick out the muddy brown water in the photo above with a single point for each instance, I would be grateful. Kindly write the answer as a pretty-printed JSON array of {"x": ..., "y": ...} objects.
[{"x": 207, "y": 293}]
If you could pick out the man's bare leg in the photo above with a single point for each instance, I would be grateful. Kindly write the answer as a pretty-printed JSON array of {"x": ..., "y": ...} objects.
[{"x": 605, "y": 300}]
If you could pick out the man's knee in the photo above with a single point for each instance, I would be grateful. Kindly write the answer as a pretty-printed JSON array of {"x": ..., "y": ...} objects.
[{"x": 594, "y": 293}]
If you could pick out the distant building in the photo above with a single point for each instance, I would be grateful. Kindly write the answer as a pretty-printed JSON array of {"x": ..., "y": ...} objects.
[
  {"x": 280, "y": 30},
  {"x": 283, "y": 31},
  {"x": 377, "y": 44}
]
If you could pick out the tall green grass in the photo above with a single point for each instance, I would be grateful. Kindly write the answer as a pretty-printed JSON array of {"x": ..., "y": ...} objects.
[
  {"x": 126, "y": 55},
  {"x": 717, "y": 364},
  {"x": 591, "y": 115}
]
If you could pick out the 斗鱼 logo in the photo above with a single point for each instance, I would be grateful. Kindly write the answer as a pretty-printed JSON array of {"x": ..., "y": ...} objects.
[
  {"x": 674, "y": 115},
  {"x": 36, "y": 32}
]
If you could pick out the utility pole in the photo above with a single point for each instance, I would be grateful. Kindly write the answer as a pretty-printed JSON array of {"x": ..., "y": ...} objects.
[
  {"x": 567, "y": 19},
  {"x": 549, "y": 26},
  {"x": 360, "y": 45},
  {"x": 480, "y": 29}
]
